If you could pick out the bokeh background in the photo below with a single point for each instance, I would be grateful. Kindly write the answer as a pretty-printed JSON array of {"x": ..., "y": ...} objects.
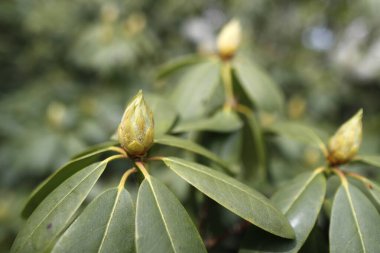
[{"x": 67, "y": 69}]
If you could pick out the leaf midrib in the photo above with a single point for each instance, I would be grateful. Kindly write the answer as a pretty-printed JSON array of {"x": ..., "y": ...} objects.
[
  {"x": 345, "y": 186},
  {"x": 300, "y": 192},
  {"x": 109, "y": 219},
  {"x": 80, "y": 182},
  {"x": 220, "y": 179},
  {"x": 161, "y": 213}
]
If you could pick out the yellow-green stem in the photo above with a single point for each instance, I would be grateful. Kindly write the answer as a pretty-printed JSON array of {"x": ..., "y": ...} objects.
[
  {"x": 125, "y": 177},
  {"x": 142, "y": 168},
  {"x": 118, "y": 150},
  {"x": 114, "y": 157},
  {"x": 341, "y": 175},
  {"x": 227, "y": 84}
]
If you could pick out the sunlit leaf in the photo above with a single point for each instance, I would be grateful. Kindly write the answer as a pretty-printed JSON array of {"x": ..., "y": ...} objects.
[
  {"x": 222, "y": 121},
  {"x": 301, "y": 201},
  {"x": 354, "y": 225},
  {"x": 190, "y": 146},
  {"x": 56, "y": 211},
  {"x": 55, "y": 179},
  {"x": 177, "y": 64},
  {"x": 233, "y": 195},
  {"x": 193, "y": 93},
  {"x": 162, "y": 223},
  {"x": 262, "y": 91},
  {"x": 110, "y": 220}
]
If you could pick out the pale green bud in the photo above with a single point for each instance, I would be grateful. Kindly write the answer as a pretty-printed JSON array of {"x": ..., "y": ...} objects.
[
  {"x": 229, "y": 39},
  {"x": 136, "y": 129},
  {"x": 345, "y": 143}
]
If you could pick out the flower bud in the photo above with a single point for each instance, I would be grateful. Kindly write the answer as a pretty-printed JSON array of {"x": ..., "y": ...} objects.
[
  {"x": 136, "y": 129},
  {"x": 229, "y": 39},
  {"x": 344, "y": 145}
]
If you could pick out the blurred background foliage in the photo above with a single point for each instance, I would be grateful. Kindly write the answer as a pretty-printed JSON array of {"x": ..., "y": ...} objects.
[{"x": 67, "y": 69}]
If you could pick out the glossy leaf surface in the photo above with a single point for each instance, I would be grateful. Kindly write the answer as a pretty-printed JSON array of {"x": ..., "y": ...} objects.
[
  {"x": 107, "y": 224},
  {"x": 354, "y": 225},
  {"x": 262, "y": 91},
  {"x": 233, "y": 195},
  {"x": 162, "y": 223},
  {"x": 55, "y": 179},
  {"x": 301, "y": 201},
  {"x": 56, "y": 211},
  {"x": 222, "y": 121}
]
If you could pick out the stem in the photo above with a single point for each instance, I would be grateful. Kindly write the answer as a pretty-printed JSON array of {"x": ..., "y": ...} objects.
[
  {"x": 227, "y": 84},
  {"x": 155, "y": 158},
  {"x": 362, "y": 179},
  {"x": 114, "y": 157},
  {"x": 142, "y": 168},
  {"x": 258, "y": 139},
  {"x": 125, "y": 177},
  {"x": 118, "y": 150},
  {"x": 319, "y": 170},
  {"x": 341, "y": 175}
]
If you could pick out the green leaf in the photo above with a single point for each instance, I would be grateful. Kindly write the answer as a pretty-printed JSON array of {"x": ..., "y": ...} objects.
[
  {"x": 162, "y": 223},
  {"x": 222, "y": 121},
  {"x": 370, "y": 189},
  {"x": 301, "y": 201},
  {"x": 298, "y": 132},
  {"x": 373, "y": 160},
  {"x": 163, "y": 112},
  {"x": 233, "y": 195},
  {"x": 190, "y": 146},
  {"x": 176, "y": 64},
  {"x": 95, "y": 148},
  {"x": 56, "y": 211},
  {"x": 355, "y": 222},
  {"x": 261, "y": 90},
  {"x": 110, "y": 220},
  {"x": 194, "y": 92},
  {"x": 55, "y": 179},
  {"x": 254, "y": 153}
]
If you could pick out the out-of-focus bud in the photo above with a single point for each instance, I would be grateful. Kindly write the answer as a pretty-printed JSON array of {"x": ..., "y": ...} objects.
[
  {"x": 136, "y": 129},
  {"x": 229, "y": 39},
  {"x": 344, "y": 145}
]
